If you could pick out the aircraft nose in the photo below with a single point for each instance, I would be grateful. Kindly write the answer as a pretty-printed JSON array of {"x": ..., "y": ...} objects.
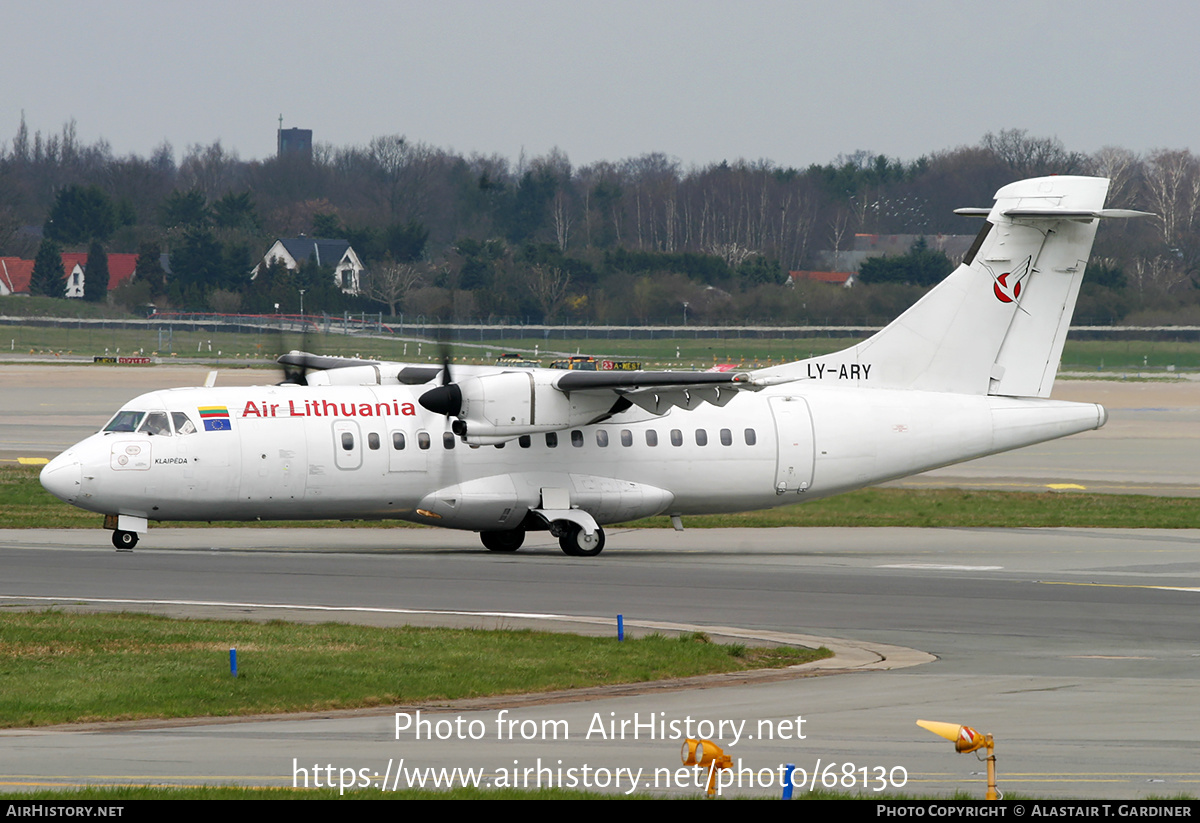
[{"x": 63, "y": 477}]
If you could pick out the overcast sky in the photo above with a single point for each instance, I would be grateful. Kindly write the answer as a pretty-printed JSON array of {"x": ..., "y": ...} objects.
[{"x": 702, "y": 81}]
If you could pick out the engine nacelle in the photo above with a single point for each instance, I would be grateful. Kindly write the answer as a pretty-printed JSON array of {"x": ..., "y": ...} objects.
[{"x": 495, "y": 408}]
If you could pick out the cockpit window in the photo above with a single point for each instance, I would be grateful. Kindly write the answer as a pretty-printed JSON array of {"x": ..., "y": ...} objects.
[
  {"x": 183, "y": 424},
  {"x": 125, "y": 421},
  {"x": 156, "y": 423}
]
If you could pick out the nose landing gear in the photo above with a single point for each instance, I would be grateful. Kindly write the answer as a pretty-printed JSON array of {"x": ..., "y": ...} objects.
[
  {"x": 576, "y": 543},
  {"x": 124, "y": 541}
]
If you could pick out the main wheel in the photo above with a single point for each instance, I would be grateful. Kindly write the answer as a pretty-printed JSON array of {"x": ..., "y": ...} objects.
[
  {"x": 576, "y": 543},
  {"x": 508, "y": 541},
  {"x": 124, "y": 541}
]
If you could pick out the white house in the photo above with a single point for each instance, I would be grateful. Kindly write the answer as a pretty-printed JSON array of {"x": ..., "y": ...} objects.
[{"x": 347, "y": 268}]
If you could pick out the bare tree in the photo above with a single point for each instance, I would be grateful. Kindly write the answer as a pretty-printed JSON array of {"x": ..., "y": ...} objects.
[
  {"x": 561, "y": 212},
  {"x": 1172, "y": 184},
  {"x": 211, "y": 169},
  {"x": 1121, "y": 167},
  {"x": 391, "y": 282},
  {"x": 549, "y": 285}
]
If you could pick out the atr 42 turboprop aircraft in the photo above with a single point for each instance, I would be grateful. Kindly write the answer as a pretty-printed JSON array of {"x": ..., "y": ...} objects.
[{"x": 965, "y": 372}]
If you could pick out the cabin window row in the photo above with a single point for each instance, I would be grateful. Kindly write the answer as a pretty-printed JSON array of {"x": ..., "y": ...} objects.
[
  {"x": 449, "y": 440},
  {"x": 676, "y": 436}
]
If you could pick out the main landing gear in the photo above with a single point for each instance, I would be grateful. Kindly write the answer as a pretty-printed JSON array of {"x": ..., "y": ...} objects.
[
  {"x": 508, "y": 541},
  {"x": 124, "y": 541},
  {"x": 571, "y": 538}
]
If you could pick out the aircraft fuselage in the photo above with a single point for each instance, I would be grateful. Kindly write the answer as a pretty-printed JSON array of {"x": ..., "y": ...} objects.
[{"x": 372, "y": 452}]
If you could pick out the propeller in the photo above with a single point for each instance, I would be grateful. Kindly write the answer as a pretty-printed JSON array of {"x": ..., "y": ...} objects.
[
  {"x": 296, "y": 364},
  {"x": 446, "y": 399}
]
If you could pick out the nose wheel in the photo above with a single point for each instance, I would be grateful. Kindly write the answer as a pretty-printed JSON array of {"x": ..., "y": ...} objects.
[
  {"x": 576, "y": 543},
  {"x": 124, "y": 541}
]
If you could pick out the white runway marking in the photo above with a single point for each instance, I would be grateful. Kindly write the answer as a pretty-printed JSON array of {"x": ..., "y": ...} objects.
[{"x": 941, "y": 567}]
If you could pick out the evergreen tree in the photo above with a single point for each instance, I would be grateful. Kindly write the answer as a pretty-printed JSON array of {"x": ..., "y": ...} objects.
[
  {"x": 95, "y": 275},
  {"x": 47, "y": 277},
  {"x": 187, "y": 209},
  {"x": 196, "y": 268},
  {"x": 150, "y": 270},
  {"x": 235, "y": 211},
  {"x": 80, "y": 214}
]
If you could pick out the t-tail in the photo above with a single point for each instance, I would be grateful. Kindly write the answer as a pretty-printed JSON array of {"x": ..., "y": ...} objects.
[{"x": 996, "y": 325}]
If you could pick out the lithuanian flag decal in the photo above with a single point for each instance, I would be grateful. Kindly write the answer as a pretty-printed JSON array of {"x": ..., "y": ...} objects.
[{"x": 216, "y": 418}]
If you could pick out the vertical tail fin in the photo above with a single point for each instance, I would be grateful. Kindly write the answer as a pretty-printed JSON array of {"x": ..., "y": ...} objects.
[{"x": 995, "y": 325}]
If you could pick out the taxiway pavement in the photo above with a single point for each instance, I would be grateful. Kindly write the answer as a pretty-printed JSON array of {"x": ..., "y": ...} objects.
[{"x": 1078, "y": 649}]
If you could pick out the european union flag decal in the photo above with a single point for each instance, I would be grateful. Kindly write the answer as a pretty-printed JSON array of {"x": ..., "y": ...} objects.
[{"x": 216, "y": 418}]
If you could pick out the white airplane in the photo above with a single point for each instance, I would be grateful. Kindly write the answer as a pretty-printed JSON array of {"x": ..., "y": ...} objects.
[{"x": 965, "y": 372}]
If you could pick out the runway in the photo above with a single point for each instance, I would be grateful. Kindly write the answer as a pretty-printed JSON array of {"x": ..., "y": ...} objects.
[{"x": 1077, "y": 649}]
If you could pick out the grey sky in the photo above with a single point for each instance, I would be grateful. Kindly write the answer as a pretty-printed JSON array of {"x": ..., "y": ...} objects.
[{"x": 792, "y": 82}]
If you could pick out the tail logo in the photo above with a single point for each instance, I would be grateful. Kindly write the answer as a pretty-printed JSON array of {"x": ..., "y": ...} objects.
[
  {"x": 1005, "y": 293},
  {"x": 1007, "y": 286}
]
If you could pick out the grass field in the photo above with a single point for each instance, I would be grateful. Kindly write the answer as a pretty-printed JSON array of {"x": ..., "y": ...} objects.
[
  {"x": 58, "y": 667},
  {"x": 1100, "y": 356}
]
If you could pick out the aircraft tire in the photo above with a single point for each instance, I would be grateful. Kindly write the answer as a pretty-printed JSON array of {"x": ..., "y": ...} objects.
[
  {"x": 124, "y": 541},
  {"x": 577, "y": 544},
  {"x": 506, "y": 541}
]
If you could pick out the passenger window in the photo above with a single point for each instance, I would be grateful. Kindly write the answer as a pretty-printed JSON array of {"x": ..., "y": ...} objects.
[
  {"x": 500, "y": 445},
  {"x": 701, "y": 437},
  {"x": 373, "y": 441},
  {"x": 551, "y": 440},
  {"x": 448, "y": 440},
  {"x": 398, "y": 441},
  {"x": 524, "y": 441},
  {"x": 601, "y": 438},
  {"x": 347, "y": 441},
  {"x": 576, "y": 438},
  {"x": 626, "y": 437},
  {"x": 676, "y": 437},
  {"x": 651, "y": 437},
  {"x": 726, "y": 437},
  {"x": 751, "y": 438},
  {"x": 423, "y": 440},
  {"x": 183, "y": 424}
]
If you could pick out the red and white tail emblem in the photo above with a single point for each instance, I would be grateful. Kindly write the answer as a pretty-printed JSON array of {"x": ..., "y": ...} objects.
[{"x": 1007, "y": 286}]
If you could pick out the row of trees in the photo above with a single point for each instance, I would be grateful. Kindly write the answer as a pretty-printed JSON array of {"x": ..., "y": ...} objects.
[{"x": 444, "y": 234}]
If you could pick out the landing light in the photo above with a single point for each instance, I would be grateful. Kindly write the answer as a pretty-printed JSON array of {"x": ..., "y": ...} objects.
[{"x": 708, "y": 755}]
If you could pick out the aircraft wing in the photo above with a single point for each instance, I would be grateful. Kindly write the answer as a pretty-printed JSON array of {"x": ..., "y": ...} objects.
[
  {"x": 656, "y": 392},
  {"x": 492, "y": 408}
]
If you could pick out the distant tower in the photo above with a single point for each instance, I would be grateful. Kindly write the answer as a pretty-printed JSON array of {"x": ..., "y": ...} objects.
[{"x": 295, "y": 142}]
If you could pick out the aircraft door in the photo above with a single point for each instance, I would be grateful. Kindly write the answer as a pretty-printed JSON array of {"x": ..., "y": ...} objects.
[
  {"x": 794, "y": 444},
  {"x": 347, "y": 444}
]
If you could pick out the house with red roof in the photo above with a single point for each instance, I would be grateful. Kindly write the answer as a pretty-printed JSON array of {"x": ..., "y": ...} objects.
[
  {"x": 14, "y": 275},
  {"x": 837, "y": 278},
  {"x": 121, "y": 267}
]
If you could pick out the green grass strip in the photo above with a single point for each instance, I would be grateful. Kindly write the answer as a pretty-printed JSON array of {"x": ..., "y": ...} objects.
[
  {"x": 24, "y": 504},
  {"x": 58, "y": 667}
]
